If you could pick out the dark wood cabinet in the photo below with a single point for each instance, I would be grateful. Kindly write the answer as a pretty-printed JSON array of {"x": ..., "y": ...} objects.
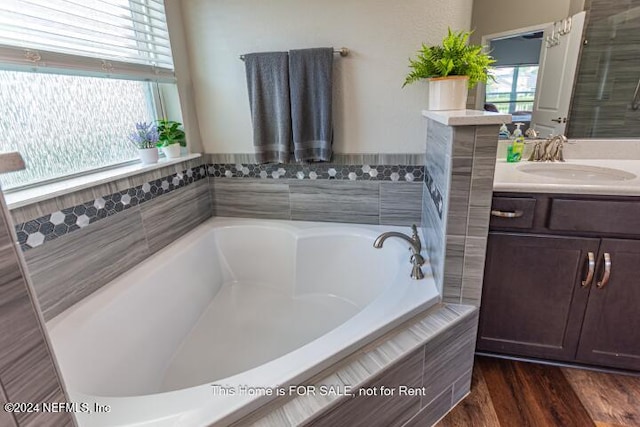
[
  {"x": 533, "y": 299},
  {"x": 611, "y": 331},
  {"x": 536, "y": 301}
]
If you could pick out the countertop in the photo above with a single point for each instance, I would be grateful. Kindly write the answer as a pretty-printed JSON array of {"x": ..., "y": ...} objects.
[
  {"x": 620, "y": 154},
  {"x": 508, "y": 178},
  {"x": 467, "y": 117}
]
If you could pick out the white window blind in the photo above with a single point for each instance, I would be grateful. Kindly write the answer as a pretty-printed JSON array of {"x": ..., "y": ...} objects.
[{"x": 113, "y": 38}]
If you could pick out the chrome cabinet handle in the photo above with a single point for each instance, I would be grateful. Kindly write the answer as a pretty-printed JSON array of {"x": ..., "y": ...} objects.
[
  {"x": 502, "y": 214},
  {"x": 591, "y": 257},
  {"x": 607, "y": 271}
]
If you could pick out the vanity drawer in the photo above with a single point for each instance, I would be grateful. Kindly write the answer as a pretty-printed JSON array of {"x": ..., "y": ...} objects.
[
  {"x": 597, "y": 216},
  {"x": 512, "y": 212}
]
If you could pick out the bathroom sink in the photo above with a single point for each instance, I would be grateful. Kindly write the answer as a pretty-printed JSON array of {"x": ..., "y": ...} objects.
[{"x": 572, "y": 172}]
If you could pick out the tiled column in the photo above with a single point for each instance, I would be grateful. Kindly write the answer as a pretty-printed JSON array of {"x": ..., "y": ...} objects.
[
  {"x": 460, "y": 162},
  {"x": 27, "y": 369}
]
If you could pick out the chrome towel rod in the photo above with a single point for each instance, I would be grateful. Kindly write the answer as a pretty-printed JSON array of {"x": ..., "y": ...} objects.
[{"x": 343, "y": 51}]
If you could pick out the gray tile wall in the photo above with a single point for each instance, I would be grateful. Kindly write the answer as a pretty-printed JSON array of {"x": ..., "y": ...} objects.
[
  {"x": 460, "y": 162},
  {"x": 27, "y": 369},
  {"x": 68, "y": 269},
  {"x": 337, "y": 158},
  {"x": 365, "y": 202}
]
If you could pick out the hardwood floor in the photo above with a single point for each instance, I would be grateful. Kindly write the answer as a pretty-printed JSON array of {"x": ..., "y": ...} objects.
[{"x": 507, "y": 393}]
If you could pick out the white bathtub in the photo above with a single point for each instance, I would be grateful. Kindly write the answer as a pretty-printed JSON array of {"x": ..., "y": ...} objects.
[{"x": 235, "y": 302}]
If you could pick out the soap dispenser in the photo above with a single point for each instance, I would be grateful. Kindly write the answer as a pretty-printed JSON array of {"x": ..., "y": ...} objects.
[
  {"x": 518, "y": 131},
  {"x": 515, "y": 149},
  {"x": 504, "y": 131}
]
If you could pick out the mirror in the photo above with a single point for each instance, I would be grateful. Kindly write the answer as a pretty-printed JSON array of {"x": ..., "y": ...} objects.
[{"x": 578, "y": 76}]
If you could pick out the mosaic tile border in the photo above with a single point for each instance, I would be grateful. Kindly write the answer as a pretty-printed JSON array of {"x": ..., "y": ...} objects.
[
  {"x": 436, "y": 197},
  {"x": 319, "y": 171},
  {"x": 35, "y": 232}
]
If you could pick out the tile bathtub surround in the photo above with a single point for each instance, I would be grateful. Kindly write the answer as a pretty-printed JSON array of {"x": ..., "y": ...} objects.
[
  {"x": 68, "y": 269},
  {"x": 54, "y": 222},
  {"x": 27, "y": 367},
  {"x": 413, "y": 159},
  {"x": 319, "y": 171},
  {"x": 456, "y": 205},
  {"x": 53, "y": 225},
  {"x": 353, "y": 188},
  {"x": 365, "y": 202},
  {"x": 433, "y": 350}
]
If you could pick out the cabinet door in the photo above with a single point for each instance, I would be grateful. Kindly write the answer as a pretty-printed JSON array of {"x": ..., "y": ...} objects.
[
  {"x": 533, "y": 300},
  {"x": 611, "y": 330}
]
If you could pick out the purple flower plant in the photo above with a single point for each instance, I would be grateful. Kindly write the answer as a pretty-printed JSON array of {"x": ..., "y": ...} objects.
[{"x": 145, "y": 136}]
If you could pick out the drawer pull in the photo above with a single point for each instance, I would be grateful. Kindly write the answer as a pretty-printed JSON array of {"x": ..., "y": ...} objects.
[
  {"x": 503, "y": 214},
  {"x": 591, "y": 262},
  {"x": 607, "y": 271}
]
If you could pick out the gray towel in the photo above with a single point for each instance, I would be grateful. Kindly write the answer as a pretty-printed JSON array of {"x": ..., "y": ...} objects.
[
  {"x": 268, "y": 85},
  {"x": 311, "y": 81}
]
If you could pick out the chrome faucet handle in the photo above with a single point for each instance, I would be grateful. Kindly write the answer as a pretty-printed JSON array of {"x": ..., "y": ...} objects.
[
  {"x": 536, "y": 154},
  {"x": 560, "y": 147},
  {"x": 416, "y": 237}
]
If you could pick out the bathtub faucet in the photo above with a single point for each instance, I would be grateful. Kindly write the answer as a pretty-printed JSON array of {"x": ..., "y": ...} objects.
[{"x": 414, "y": 241}]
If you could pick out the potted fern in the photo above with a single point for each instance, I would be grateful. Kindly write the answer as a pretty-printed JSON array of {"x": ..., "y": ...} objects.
[{"x": 451, "y": 69}]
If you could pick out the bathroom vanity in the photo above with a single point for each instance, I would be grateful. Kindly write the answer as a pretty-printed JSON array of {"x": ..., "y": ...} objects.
[{"x": 562, "y": 269}]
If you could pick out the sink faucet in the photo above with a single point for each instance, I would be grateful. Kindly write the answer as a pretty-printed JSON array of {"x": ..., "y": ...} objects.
[
  {"x": 551, "y": 151},
  {"x": 416, "y": 246}
]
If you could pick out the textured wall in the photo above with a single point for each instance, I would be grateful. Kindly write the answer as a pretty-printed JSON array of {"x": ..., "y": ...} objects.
[{"x": 372, "y": 113}]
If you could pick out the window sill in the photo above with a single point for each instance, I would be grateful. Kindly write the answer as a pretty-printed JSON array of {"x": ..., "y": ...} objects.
[{"x": 22, "y": 198}]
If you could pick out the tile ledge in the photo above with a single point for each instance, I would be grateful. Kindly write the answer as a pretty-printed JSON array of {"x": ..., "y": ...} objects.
[
  {"x": 404, "y": 340},
  {"x": 467, "y": 117},
  {"x": 29, "y": 196}
]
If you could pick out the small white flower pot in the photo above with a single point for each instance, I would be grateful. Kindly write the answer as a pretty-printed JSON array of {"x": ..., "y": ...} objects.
[
  {"x": 148, "y": 155},
  {"x": 172, "y": 151},
  {"x": 448, "y": 93}
]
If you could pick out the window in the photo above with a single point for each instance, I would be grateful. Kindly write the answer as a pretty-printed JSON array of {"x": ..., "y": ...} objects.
[
  {"x": 64, "y": 125},
  {"x": 514, "y": 88},
  {"x": 75, "y": 77}
]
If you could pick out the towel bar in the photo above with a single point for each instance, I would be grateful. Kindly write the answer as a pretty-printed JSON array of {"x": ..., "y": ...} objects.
[{"x": 343, "y": 51}]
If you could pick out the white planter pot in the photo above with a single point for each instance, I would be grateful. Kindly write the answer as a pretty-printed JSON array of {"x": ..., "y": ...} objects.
[
  {"x": 148, "y": 155},
  {"x": 172, "y": 151},
  {"x": 448, "y": 93}
]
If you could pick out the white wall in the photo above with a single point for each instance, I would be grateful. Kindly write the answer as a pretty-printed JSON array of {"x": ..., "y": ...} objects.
[
  {"x": 372, "y": 113},
  {"x": 497, "y": 16},
  {"x": 188, "y": 114}
]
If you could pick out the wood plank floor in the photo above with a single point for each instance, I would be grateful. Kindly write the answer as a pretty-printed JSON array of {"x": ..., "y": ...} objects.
[{"x": 507, "y": 393}]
